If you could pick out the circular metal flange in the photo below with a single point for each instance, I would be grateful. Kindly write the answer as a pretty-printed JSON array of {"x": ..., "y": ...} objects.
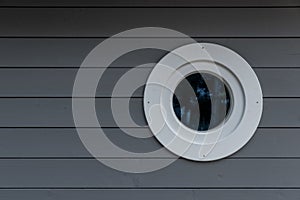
[{"x": 217, "y": 142}]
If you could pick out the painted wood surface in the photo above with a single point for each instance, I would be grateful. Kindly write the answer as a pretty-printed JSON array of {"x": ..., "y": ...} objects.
[{"x": 42, "y": 45}]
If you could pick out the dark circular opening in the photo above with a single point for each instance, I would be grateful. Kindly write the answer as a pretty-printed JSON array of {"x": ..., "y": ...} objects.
[{"x": 202, "y": 101}]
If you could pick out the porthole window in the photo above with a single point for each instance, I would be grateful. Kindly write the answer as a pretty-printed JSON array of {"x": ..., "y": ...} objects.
[
  {"x": 203, "y": 101},
  {"x": 210, "y": 98}
]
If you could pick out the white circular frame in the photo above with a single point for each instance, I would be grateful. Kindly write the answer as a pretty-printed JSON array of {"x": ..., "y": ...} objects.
[{"x": 218, "y": 142}]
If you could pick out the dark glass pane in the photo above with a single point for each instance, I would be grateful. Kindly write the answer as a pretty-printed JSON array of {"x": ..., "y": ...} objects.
[{"x": 201, "y": 101}]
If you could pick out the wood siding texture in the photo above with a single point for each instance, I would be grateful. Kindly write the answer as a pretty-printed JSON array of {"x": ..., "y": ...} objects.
[{"x": 42, "y": 44}]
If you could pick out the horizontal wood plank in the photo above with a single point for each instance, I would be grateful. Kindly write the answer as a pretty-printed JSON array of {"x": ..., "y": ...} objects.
[
  {"x": 83, "y": 173},
  {"x": 196, "y": 22},
  {"x": 68, "y": 52},
  {"x": 65, "y": 143},
  {"x": 148, "y": 3},
  {"x": 59, "y": 82},
  {"x": 149, "y": 194},
  {"x": 57, "y": 112}
]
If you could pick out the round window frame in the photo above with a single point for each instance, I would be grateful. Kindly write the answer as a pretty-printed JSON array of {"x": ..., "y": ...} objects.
[{"x": 216, "y": 143}]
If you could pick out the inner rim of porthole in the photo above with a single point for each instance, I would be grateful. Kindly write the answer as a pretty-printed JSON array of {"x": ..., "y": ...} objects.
[{"x": 228, "y": 91}]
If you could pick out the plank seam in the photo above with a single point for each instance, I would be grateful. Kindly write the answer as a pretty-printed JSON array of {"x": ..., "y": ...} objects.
[
  {"x": 146, "y": 6},
  {"x": 149, "y": 188},
  {"x": 105, "y": 37}
]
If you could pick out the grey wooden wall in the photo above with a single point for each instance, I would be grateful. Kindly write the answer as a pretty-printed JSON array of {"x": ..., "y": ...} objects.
[{"x": 42, "y": 44}]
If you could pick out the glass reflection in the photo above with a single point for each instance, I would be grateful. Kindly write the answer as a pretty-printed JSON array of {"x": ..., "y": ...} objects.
[{"x": 210, "y": 97}]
